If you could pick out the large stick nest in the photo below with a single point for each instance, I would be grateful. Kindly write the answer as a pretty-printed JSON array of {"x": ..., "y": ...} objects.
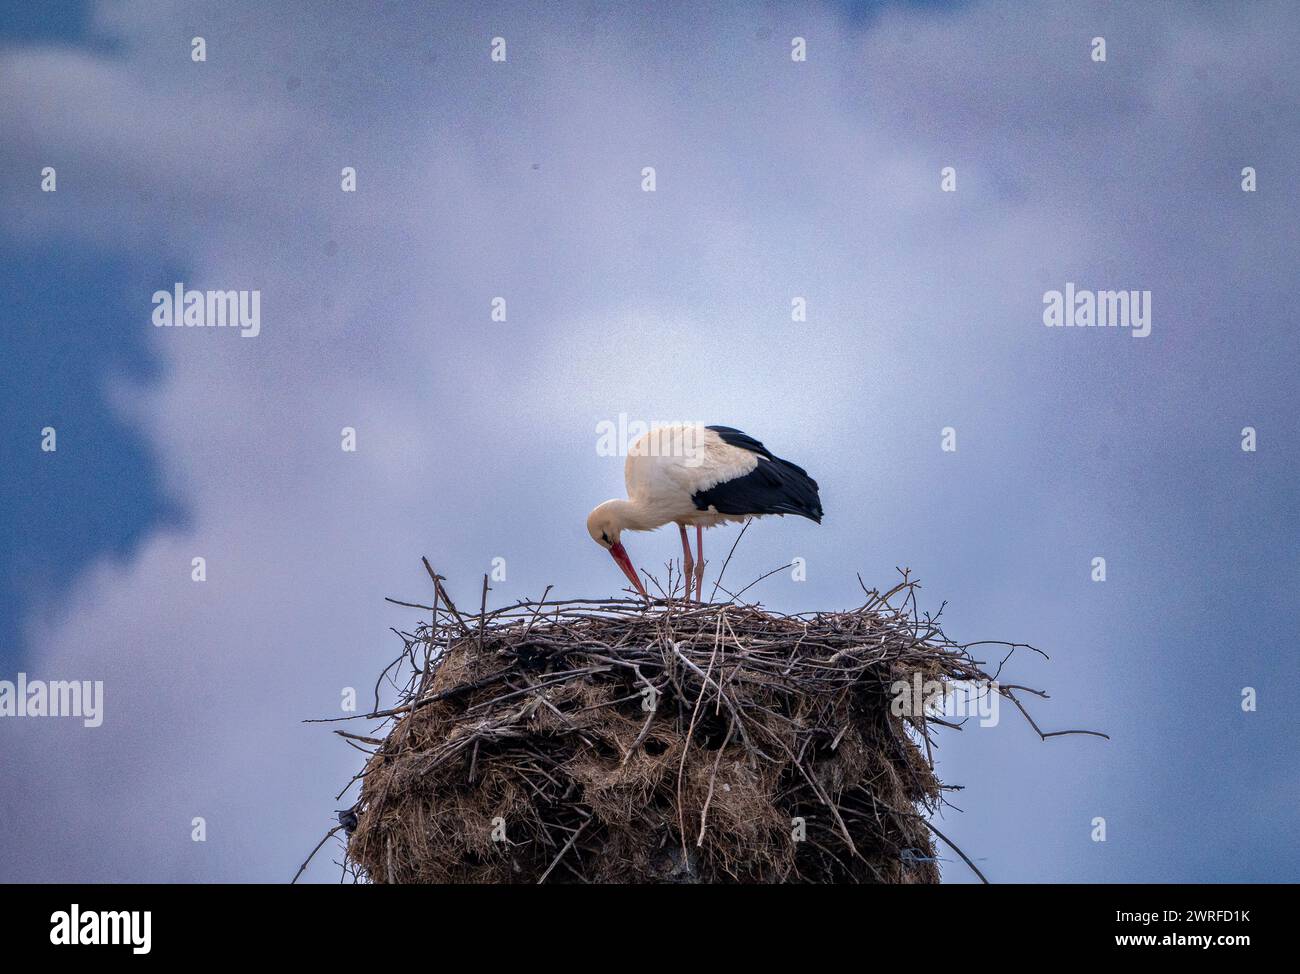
[{"x": 620, "y": 741}]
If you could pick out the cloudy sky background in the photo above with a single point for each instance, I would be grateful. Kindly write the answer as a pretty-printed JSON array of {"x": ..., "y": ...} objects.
[{"x": 477, "y": 439}]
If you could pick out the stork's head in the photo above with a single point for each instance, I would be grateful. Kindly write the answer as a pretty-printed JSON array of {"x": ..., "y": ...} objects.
[{"x": 605, "y": 525}]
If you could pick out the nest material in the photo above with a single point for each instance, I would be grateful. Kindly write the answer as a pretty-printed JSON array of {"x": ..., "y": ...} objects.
[{"x": 615, "y": 741}]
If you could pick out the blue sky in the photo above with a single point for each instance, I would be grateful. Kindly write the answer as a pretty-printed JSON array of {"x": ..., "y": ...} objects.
[
  {"x": 476, "y": 439},
  {"x": 66, "y": 335}
]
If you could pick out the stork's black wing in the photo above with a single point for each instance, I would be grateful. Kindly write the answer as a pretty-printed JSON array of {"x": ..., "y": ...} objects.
[{"x": 775, "y": 486}]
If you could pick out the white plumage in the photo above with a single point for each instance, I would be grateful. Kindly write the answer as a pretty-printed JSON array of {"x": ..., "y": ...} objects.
[{"x": 667, "y": 466}]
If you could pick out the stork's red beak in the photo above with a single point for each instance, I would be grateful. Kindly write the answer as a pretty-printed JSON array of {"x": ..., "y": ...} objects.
[{"x": 619, "y": 554}]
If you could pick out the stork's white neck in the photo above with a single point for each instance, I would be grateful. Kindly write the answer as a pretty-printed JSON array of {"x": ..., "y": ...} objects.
[{"x": 634, "y": 515}]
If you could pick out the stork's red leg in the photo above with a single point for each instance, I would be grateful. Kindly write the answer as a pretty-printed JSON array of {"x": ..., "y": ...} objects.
[
  {"x": 688, "y": 563},
  {"x": 699, "y": 562}
]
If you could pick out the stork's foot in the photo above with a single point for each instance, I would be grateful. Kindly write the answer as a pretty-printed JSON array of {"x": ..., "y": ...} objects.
[{"x": 699, "y": 582}]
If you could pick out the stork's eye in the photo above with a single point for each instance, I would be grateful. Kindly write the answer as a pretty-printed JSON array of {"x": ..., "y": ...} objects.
[{"x": 604, "y": 537}]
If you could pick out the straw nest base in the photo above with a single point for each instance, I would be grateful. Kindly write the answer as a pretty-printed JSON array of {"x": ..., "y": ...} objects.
[{"x": 615, "y": 741}]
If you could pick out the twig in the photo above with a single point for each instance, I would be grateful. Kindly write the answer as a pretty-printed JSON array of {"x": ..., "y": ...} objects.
[
  {"x": 307, "y": 861},
  {"x": 718, "y": 581},
  {"x": 567, "y": 846}
]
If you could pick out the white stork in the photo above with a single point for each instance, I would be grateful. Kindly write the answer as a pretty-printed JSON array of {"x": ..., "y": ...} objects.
[{"x": 701, "y": 476}]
